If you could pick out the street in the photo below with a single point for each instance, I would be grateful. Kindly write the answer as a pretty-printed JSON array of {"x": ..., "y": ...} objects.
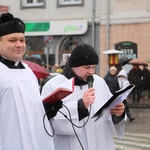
[{"x": 137, "y": 133}]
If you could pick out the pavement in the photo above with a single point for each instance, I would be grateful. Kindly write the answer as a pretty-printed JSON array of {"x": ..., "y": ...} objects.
[{"x": 137, "y": 132}]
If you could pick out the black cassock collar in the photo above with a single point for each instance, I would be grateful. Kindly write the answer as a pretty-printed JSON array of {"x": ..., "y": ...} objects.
[{"x": 11, "y": 64}]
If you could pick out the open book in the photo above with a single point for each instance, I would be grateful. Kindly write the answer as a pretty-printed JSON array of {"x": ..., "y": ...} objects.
[
  {"x": 61, "y": 92},
  {"x": 118, "y": 97}
]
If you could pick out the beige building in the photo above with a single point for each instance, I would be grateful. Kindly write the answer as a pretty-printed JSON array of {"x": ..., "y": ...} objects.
[
  {"x": 105, "y": 24},
  {"x": 125, "y": 20}
]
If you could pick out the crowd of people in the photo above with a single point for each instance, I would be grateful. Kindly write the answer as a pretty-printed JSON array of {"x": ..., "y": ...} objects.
[
  {"x": 138, "y": 76},
  {"x": 141, "y": 79},
  {"x": 116, "y": 82},
  {"x": 22, "y": 115}
]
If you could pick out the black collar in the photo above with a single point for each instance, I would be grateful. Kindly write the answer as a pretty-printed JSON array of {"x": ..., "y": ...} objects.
[{"x": 11, "y": 64}]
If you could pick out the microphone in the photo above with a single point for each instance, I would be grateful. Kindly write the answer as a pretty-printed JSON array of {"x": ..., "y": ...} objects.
[{"x": 90, "y": 80}]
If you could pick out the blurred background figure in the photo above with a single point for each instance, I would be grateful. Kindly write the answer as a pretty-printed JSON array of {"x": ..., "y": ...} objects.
[
  {"x": 54, "y": 68},
  {"x": 112, "y": 79},
  {"x": 62, "y": 64},
  {"x": 146, "y": 79},
  {"x": 135, "y": 77},
  {"x": 48, "y": 68},
  {"x": 123, "y": 82}
]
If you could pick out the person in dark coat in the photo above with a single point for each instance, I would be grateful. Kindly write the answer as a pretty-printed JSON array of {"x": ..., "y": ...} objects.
[
  {"x": 146, "y": 79},
  {"x": 112, "y": 80},
  {"x": 135, "y": 77}
]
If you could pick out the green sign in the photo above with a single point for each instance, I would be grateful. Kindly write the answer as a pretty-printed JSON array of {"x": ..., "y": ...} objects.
[
  {"x": 126, "y": 43},
  {"x": 129, "y": 49},
  {"x": 37, "y": 26}
]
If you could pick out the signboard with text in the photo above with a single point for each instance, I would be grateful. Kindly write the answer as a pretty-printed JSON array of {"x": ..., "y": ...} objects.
[
  {"x": 70, "y": 27},
  {"x": 129, "y": 49}
]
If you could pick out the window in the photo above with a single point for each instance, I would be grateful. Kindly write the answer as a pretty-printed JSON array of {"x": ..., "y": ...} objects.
[
  {"x": 70, "y": 2},
  {"x": 66, "y": 47},
  {"x": 32, "y": 3}
]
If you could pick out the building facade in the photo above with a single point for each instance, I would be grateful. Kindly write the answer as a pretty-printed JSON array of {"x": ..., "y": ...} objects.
[{"x": 55, "y": 27}]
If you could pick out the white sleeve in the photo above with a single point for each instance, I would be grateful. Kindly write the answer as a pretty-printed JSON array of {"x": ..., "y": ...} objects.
[{"x": 64, "y": 127}]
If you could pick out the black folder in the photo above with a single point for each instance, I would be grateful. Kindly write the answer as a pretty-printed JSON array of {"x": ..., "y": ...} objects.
[{"x": 118, "y": 97}]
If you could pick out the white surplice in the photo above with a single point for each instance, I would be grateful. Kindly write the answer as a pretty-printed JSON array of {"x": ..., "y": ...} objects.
[
  {"x": 21, "y": 112},
  {"x": 94, "y": 135}
]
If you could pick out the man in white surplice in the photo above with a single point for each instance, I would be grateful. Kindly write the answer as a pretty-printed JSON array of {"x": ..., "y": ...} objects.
[
  {"x": 84, "y": 102},
  {"x": 21, "y": 108}
]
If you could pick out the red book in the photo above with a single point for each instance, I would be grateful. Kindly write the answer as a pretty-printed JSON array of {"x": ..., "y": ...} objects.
[{"x": 61, "y": 92}]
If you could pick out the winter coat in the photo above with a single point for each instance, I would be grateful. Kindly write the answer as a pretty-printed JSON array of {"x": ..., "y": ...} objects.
[
  {"x": 135, "y": 77},
  {"x": 123, "y": 82},
  {"x": 112, "y": 82}
]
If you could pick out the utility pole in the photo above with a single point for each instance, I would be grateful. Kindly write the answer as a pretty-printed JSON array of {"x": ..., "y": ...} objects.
[
  {"x": 48, "y": 40},
  {"x": 93, "y": 23}
]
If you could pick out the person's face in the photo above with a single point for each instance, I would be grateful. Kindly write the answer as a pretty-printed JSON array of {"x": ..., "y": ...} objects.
[
  {"x": 84, "y": 71},
  {"x": 135, "y": 66},
  {"x": 122, "y": 76},
  {"x": 112, "y": 72},
  {"x": 12, "y": 46}
]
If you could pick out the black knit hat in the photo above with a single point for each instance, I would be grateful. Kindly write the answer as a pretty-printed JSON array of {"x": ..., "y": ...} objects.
[
  {"x": 9, "y": 24},
  {"x": 83, "y": 54}
]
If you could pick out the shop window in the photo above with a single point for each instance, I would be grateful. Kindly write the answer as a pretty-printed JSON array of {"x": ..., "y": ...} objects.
[
  {"x": 36, "y": 51},
  {"x": 35, "y": 44},
  {"x": 70, "y": 2},
  {"x": 32, "y": 3},
  {"x": 66, "y": 47}
]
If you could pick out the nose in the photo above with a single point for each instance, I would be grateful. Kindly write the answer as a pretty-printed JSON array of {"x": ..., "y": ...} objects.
[
  {"x": 91, "y": 71},
  {"x": 18, "y": 43}
]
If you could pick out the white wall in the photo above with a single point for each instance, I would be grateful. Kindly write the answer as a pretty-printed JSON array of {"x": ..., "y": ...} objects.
[{"x": 121, "y": 11}]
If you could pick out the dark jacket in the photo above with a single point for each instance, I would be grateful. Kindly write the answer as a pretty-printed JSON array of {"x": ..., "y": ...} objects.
[
  {"x": 135, "y": 77},
  {"x": 112, "y": 82}
]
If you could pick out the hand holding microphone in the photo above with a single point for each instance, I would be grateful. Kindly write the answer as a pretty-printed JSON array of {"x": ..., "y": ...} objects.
[
  {"x": 89, "y": 96},
  {"x": 90, "y": 81}
]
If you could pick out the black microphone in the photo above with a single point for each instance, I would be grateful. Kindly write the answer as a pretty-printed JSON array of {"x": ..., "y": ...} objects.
[{"x": 90, "y": 80}]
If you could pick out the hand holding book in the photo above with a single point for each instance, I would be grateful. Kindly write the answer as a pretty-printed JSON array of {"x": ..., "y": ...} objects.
[
  {"x": 52, "y": 103},
  {"x": 118, "y": 97},
  {"x": 52, "y": 109}
]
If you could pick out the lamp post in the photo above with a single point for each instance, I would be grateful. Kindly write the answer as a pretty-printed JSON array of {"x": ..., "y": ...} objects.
[{"x": 48, "y": 40}]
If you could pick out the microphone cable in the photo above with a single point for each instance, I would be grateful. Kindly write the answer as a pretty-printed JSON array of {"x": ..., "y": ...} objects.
[
  {"x": 74, "y": 125},
  {"x": 70, "y": 120},
  {"x": 53, "y": 131}
]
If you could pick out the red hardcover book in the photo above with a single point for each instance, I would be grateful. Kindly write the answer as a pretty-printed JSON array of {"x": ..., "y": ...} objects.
[{"x": 61, "y": 92}]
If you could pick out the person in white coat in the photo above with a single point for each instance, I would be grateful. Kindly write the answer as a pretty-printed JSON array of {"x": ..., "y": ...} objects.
[
  {"x": 21, "y": 107},
  {"x": 74, "y": 127},
  {"x": 123, "y": 82}
]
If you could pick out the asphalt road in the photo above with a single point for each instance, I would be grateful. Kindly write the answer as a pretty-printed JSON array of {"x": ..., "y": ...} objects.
[{"x": 137, "y": 133}]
